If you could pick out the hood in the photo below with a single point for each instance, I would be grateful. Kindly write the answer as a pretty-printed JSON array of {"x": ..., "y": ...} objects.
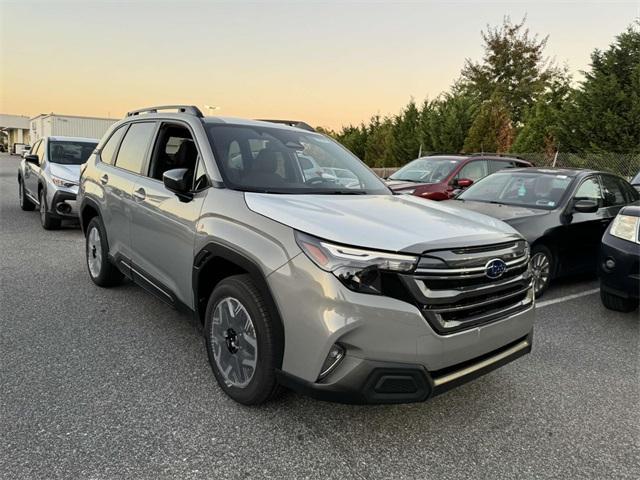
[
  {"x": 383, "y": 222},
  {"x": 67, "y": 172},
  {"x": 500, "y": 211},
  {"x": 397, "y": 185}
]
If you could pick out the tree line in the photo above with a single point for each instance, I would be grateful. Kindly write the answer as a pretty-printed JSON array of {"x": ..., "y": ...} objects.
[{"x": 515, "y": 100}]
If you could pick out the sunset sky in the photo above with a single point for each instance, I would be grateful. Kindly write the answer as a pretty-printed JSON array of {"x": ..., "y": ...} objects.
[{"x": 329, "y": 63}]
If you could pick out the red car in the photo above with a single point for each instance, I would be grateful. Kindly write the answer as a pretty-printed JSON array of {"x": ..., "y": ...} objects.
[{"x": 440, "y": 177}]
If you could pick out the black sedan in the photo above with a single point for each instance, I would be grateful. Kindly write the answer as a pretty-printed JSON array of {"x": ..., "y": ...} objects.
[
  {"x": 619, "y": 265},
  {"x": 562, "y": 213}
]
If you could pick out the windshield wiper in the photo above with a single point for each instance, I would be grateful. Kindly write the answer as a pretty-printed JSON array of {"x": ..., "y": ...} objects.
[
  {"x": 405, "y": 180},
  {"x": 337, "y": 192}
]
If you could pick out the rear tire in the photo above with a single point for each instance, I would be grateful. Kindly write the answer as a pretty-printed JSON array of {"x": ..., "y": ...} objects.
[
  {"x": 239, "y": 332},
  {"x": 101, "y": 270},
  {"x": 616, "y": 303},
  {"x": 48, "y": 221},
  {"x": 25, "y": 203},
  {"x": 543, "y": 266}
]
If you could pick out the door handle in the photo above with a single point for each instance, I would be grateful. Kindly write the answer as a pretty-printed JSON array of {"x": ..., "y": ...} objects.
[
  {"x": 139, "y": 194},
  {"x": 104, "y": 179}
]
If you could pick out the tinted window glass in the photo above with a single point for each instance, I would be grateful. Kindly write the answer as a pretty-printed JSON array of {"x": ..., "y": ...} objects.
[
  {"x": 612, "y": 191},
  {"x": 131, "y": 155},
  {"x": 174, "y": 148},
  {"x": 108, "y": 153},
  {"x": 589, "y": 190},
  {"x": 70, "y": 153},
  {"x": 474, "y": 170},
  {"x": 497, "y": 165}
]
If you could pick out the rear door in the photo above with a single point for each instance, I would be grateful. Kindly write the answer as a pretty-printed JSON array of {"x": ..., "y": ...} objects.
[
  {"x": 163, "y": 226},
  {"x": 122, "y": 159}
]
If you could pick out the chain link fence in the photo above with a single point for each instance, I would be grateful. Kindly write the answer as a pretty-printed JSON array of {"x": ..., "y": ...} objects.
[{"x": 626, "y": 165}]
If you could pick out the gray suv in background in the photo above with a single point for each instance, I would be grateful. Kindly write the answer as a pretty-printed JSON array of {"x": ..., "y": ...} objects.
[
  {"x": 344, "y": 292},
  {"x": 48, "y": 177}
]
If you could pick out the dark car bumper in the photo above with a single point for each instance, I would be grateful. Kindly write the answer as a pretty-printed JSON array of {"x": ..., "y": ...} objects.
[
  {"x": 384, "y": 382},
  {"x": 623, "y": 279},
  {"x": 64, "y": 205}
]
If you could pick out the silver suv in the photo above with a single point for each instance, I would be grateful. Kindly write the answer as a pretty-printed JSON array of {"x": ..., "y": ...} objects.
[
  {"x": 344, "y": 293},
  {"x": 48, "y": 177}
]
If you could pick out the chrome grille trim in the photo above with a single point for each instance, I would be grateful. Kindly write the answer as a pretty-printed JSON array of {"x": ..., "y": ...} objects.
[{"x": 460, "y": 296}]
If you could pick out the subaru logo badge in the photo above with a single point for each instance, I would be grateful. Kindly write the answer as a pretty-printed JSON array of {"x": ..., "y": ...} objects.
[{"x": 495, "y": 268}]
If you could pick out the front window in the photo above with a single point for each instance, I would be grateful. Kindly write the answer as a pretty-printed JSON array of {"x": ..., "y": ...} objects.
[
  {"x": 426, "y": 170},
  {"x": 277, "y": 160},
  {"x": 70, "y": 152},
  {"x": 534, "y": 190}
]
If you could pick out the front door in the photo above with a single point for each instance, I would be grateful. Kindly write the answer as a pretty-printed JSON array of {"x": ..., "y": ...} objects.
[{"x": 163, "y": 226}]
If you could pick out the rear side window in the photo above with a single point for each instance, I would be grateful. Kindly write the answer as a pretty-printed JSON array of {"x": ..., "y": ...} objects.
[
  {"x": 497, "y": 165},
  {"x": 613, "y": 191},
  {"x": 108, "y": 153},
  {"x": 133, "y": 150}
]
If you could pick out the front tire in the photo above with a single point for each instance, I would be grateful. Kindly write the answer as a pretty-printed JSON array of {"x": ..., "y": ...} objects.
[
  {"x": 242, "y": 341},
  {"x": 616, "y": 303},
  {"x": 101, "y": 270},
  {"x": 25, "y": 203},
  {"x": 48, "y": 221},
  {"x": 542, "y": 268}
]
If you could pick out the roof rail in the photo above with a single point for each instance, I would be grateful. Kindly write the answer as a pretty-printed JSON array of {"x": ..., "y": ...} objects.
[
  {"x": 191, "y": 109},
  {"x": 291, "y": 123},
  {"x": 493, "y": 154}
]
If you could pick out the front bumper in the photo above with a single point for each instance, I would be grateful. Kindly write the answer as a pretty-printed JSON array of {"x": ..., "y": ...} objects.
[
  {"x": 623, "y": 280},
  {"x": 64, "y": 205},
  {"x": 379, "y": 333},
  {"x": 372, "y": 382}
]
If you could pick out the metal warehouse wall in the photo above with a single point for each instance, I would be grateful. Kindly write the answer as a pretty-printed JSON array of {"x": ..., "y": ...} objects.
[{"x": 69, "y": 126}]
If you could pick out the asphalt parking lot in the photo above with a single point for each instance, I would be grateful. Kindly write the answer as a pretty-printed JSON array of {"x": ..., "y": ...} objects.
[{"x": 109, "y": 384}]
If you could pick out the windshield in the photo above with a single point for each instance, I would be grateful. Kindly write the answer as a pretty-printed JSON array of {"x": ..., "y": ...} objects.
[
  {"x": 70, "y": 153},
  {"x": 278, "y": 160},
  {"x": 532, "y": 190},
  {"x": 426, "y": 170}
]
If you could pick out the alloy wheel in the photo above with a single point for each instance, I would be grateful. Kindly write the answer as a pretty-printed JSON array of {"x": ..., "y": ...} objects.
[
  {"x": 233, "y": 338},
  {"x": 94, "y": 252},
  {"x": 541, "y": 270}
]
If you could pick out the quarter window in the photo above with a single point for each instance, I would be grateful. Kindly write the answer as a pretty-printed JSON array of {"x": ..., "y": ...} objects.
[
  {"x": 133, "y": 151},
  {"x": 108, "y": 153}
]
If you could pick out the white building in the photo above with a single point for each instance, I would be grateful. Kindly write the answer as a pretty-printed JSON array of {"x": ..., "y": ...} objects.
[
  {"x": 51, "y": 124},
  {"x": 14, "y": 129}
]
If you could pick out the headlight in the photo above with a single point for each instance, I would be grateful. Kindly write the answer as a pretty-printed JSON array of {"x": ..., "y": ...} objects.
[
  {"x": 359, "y": 269},
  {"x": 61, "y": 182},
  {"x": 626, "y": 228}
]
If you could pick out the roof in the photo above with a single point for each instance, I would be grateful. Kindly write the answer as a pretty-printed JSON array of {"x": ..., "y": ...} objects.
[
  {"x": 475, "y": 156},
  {"x": 59, "y": 138}
]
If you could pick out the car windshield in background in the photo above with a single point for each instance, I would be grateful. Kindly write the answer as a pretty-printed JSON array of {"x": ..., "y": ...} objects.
[
  {"x": 534, "y": 190},
  {"x": 70, "y": 153},
  {"x": 636, "y": 180},
  {"x": 426, "y": 170},
  {"x": 278, "y": 160}
]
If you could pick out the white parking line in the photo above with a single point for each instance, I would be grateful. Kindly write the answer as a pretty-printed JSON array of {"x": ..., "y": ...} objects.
[{"x": 546, "y": 303}]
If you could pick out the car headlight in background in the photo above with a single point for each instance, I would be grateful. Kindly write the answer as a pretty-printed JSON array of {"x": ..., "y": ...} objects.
[
  {"x": 358, "y": 269},
  {"x": 61, "y": 182},
  {"x": 626, "y": 228}
]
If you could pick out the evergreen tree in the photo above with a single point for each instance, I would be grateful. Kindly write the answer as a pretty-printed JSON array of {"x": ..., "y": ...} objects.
[
  {"x": 378, "y": 149},
  {"x": 406, "y": 143},
  {"x": 604, "y": 115},
  {"x": 492, "y": 129}
]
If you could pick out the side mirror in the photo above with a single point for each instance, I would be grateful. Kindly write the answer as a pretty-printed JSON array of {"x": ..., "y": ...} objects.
[
  {"x": 32, "y": 159},
  {"x": 586, "y": 206},
  {"x": 464, "y": 182},
  {"x": 178, "y": 180}
]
